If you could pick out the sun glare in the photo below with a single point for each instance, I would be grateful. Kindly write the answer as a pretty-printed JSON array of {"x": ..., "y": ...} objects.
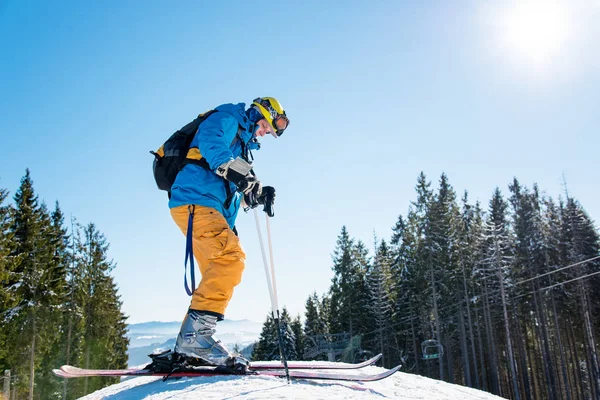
[
  {"x": 537, "y": 30},
  {"x": 533, "y": 33}
]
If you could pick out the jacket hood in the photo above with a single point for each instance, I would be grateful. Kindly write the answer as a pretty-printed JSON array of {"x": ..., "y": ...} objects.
[{"x": 238, "y": 111}]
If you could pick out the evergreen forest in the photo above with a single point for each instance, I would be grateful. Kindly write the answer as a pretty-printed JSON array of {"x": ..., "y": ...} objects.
[
  {"x": 58, "y": 302},
  {"x": 501, "y": 296}
]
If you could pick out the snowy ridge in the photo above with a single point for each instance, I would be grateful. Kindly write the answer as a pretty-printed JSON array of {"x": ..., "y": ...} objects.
[{"x": 398, "y": 386}]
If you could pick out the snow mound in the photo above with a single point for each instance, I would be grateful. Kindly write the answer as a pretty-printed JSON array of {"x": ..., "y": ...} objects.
[{"x": 398, "y": 386}]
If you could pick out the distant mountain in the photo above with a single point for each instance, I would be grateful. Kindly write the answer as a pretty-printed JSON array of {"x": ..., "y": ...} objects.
[
  {"x": 155, "y": 327},
  {"x": 145, "y": 337},
  {"x": 138, "y": 356}
]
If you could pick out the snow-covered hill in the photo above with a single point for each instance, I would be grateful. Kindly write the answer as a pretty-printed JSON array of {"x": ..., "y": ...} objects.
[{"x": 398, "y": 386}]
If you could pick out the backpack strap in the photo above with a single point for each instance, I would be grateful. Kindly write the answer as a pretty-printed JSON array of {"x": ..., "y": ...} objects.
[
  {"x": 237, "y": 138},
  {"x": 197, "y": 159}
]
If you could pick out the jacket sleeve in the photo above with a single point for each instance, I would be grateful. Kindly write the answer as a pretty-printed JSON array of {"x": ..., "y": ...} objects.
[{"x": 213, "y": 138}]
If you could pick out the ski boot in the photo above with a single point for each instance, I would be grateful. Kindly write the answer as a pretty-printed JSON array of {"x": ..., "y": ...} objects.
[{"x": 197, "y": 347}]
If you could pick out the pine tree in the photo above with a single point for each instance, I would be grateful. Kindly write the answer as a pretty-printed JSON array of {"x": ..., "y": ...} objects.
[
  {"x": 442, "y": 240},
  {"x": 531, "y": 260},
  {"x": 8, "y": 263},
  {"x": 580, "y": 242},
  {"x": 300, "y": 339},
  {"x": 469, "y": 234},
  {"x": 73, "y": 327},
  {"x": 288, "y": 336},
  {"x": 56, "y": 272},
  {"x": 314, "y": 322},
  {"x": 497, "y": 262},
  {"x": 38, "y": 285},
  {"x": 348, "y": 293},
  {"x": 315, "y": 326},
  {"x": 561, "y": 302},
  {"x": 342, "y": 315},
  {"x": 403, "y": 248},
  {"x": 361, "y": 293},
  {"x": 267, "y": 347},
  {"x": 104, "y": 326},
  {"x": 412, "y": 274},
  {"x": 435, "y": 218},
  {"x": 380, "y": 303}
]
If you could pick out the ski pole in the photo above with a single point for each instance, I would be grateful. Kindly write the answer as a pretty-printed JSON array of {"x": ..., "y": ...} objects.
[
  {"x": 278, "y": 319},
  {"x": 272, "y": 289}
]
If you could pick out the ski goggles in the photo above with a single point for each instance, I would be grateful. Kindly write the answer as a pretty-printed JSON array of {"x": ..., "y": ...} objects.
[{"x": 279, "y": 122}]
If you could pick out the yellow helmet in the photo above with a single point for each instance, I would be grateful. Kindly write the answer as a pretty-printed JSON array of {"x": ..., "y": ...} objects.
[{"x": 273, "y": 112}]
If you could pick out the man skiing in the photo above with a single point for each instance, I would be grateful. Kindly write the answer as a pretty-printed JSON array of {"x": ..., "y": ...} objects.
[{"x": 208, "y": 199}]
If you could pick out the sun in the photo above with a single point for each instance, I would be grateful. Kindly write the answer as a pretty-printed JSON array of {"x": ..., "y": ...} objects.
[
  {"x": 535, "y": 33},
  {"x": 536, "y": 30}
]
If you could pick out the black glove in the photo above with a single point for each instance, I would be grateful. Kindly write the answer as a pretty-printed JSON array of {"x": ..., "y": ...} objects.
[
  {"x": 267, "y": 198},
  {"x": 238, "y": 171},
  {"x": 251, "y": 197}
]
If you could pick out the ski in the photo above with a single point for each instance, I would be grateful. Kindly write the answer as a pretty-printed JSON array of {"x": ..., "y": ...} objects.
[
  {"x": 261, "y": 365},
  {"x": 68, "y": 371},
  {"x": 255, "y": 366}
]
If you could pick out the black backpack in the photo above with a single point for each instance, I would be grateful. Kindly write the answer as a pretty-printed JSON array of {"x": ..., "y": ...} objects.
[{"x": 175, "y": 153}]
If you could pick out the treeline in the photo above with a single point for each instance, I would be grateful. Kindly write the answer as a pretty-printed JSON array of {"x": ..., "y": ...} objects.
[
  {"x": 58, "y": 303},
  {"x": 504, "y": 299}
]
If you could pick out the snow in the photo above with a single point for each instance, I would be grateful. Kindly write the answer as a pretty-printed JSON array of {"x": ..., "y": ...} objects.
[{"x": 398, "y": 386}]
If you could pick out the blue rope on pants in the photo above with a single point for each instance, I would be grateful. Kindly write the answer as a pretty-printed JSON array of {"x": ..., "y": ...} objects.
[{"x": 189, "y": 253}]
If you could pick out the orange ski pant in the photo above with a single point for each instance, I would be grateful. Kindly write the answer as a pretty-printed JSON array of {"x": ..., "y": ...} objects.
[{"x": 219, "y": 254}]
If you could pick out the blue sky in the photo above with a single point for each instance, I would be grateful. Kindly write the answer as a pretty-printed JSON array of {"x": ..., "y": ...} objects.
[{"x": 376, "y": 92}]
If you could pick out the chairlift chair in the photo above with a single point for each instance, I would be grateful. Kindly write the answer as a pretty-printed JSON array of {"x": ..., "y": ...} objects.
[{"x": 431, "y": 349}]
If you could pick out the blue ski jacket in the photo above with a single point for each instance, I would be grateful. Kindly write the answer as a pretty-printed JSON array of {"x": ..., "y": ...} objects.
[{"x": 220, "y": 138}]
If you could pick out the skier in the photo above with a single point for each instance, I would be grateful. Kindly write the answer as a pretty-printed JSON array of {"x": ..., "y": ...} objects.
[{"x": 206, "y": 201}]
